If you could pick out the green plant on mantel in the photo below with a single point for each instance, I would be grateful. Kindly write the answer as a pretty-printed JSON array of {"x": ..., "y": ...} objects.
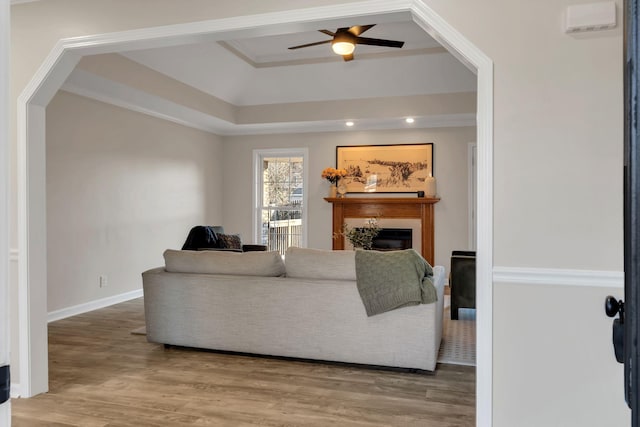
[{"x": 360, "y": 237}]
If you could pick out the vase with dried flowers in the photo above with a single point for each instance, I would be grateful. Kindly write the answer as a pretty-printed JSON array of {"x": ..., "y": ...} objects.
[
  {"x": 333, "y": 175},
  {"x": 360, "y": 237}
]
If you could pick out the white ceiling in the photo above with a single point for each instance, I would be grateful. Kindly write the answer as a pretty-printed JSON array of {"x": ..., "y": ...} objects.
[
  {"x": 275, "y": 48},
  {"x": 266, "y": 72},
  {"x": 263, "y": 71}
]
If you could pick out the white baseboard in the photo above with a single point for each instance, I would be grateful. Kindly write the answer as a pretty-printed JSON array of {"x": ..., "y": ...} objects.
[
  {"x": 559, "y": 277},
  {"x": 92, "y": 305}
]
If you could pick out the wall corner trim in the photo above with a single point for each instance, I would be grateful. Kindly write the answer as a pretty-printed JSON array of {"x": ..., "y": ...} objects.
[
  {"x": 559, "y": 277},
  {"x": 15, "y": 391}
]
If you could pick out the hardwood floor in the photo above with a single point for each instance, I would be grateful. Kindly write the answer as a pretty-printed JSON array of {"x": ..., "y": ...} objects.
[{"x": 102, "y": 375}]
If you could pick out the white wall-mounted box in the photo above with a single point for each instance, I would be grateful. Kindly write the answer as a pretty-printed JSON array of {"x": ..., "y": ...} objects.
[{"x": 590, "y": 17}]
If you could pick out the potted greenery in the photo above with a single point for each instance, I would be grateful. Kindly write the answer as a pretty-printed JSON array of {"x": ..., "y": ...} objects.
[{"x": 361, "y": 237}]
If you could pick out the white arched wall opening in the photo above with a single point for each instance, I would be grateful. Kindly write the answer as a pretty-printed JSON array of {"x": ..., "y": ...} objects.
[{"x": 32, "y": 260}]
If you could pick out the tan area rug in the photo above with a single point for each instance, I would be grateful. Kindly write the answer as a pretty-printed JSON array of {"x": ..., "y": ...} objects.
[{"x": 458, "y": 345}]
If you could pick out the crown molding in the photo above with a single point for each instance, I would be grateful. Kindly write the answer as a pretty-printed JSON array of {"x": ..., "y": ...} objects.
[{"x": 89, "y": 85}]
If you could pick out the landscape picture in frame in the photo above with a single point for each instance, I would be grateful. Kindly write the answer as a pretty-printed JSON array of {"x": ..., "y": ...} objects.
[{"x": 385, "y": 168}]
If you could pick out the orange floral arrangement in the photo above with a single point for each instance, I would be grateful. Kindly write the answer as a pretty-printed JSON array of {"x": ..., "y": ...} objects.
[{"x": 333, "y": 175}]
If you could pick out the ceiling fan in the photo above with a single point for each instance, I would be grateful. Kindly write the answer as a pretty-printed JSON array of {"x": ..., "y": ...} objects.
[{"x": 344, "y": 40}]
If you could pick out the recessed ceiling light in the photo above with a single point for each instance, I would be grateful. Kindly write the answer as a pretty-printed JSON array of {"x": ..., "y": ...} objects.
[
  {"x": 349, "y": 124},
  {"x": 409, "y": 120}
]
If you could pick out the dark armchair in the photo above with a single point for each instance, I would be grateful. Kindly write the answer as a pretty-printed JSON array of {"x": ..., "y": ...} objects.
[
  {"x": 462, "y": 281},
  {"x": 213, "y": 238}
]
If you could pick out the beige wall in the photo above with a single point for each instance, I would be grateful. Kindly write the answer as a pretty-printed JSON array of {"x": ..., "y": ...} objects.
[
  {"x": 555, "y": 367},
  {"x": 558, "y": 133},
  {"x": 558, "y": 204},
  {"x": 121, "y": 188},
  {"x": 557, "y": 100},
  {"x": 37, "y": 26},
  {"x": 451, "y": 213},
  {"x": 557, "y": 171}
]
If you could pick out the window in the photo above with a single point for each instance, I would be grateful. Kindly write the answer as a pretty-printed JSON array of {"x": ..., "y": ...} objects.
[{"x": 280, "y": 198}]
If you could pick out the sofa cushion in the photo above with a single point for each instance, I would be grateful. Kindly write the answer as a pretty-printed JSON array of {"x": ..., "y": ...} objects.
[
  {"x": 266, "y": 264},
  {"x": 322, "y": 264}
]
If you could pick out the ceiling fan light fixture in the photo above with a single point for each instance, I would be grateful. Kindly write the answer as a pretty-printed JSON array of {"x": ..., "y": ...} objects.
[
  {"x": 343, "y": 47},
  {"x": 344, "y": 41}
]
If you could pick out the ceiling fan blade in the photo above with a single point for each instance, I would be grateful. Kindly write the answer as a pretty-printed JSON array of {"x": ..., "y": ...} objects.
[
  {"x": 310, "y": 44},
  {"x": 356, "y": 30},
  {"x": 327, "y": 32},
  {"x": 379, "y": 42},
  {"x": 348, "y": 57}
]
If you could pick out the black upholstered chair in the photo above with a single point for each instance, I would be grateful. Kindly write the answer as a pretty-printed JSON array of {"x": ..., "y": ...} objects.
[
  {"x": 462, "y": 281},
  {"x": 213, "y": 238}
]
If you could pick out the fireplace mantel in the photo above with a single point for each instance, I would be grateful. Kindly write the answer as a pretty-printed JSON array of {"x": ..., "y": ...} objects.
[{"x": 386, "y": 207}]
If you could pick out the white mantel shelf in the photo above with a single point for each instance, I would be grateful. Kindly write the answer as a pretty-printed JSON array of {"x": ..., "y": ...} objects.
[{"x": 386, "y": 207}]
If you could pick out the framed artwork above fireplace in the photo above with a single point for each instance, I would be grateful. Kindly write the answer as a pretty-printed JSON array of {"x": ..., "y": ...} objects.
[{"x": 385, "y": 168}]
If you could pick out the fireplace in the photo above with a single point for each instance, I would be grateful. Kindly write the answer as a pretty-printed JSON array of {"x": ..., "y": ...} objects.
[
  {"x": 393, "y": 239},
  {"x": 414, "y": 213}
]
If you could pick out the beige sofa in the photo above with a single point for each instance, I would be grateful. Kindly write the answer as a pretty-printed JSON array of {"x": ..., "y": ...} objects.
[{"x": 309, "y": 308}]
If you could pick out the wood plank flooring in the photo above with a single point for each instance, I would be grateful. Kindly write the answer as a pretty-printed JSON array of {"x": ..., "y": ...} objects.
[{"x": 102, "y": 375}]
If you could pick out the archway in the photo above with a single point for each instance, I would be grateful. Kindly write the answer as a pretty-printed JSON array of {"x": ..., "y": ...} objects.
[{"x": 67, "y": 53}]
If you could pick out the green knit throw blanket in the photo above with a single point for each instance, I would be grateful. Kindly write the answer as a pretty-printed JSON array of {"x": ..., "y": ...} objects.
[{"x": 395, "y": 279}]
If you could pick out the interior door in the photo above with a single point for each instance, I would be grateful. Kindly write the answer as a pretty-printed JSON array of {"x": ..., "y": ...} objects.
[
  {"x": 5, "y": 409},
  {"x": 632, "y": 211},
  {"x": 626, "y": 330}
]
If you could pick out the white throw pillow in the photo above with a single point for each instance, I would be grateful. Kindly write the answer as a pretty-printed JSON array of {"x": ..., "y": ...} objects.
[
  {"x": 324, "y": 264},
  {"x": 266, "y": 264}
]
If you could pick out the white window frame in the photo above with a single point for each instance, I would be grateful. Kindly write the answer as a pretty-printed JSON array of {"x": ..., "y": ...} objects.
[{"x": 258, "y": 155}]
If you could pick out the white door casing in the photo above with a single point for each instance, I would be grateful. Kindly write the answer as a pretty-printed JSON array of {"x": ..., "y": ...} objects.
[
  {"x": 472, "y": 170},
  {"x": 66, "y": 54},
  {"x": 5, "y": 408}
]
